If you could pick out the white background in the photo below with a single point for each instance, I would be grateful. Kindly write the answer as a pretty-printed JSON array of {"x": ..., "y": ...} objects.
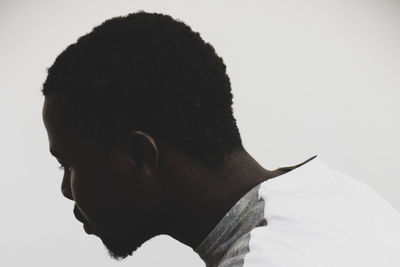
[{"x": 308, "y": 77}]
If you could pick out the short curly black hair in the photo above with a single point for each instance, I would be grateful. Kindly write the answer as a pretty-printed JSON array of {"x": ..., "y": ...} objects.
[{"x": 149, "y": 72}]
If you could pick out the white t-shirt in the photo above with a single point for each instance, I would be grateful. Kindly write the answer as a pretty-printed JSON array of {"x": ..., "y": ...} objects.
[{"x": 310, "y": 216}]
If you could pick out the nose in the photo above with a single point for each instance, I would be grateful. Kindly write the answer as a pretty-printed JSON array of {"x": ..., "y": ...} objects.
[{"x": 66, "y": 186}]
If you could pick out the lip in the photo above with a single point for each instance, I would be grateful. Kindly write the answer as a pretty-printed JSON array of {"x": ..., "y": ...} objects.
[
  {"x": 78, "y": 215},
  {"x": 87, "y": 229}
]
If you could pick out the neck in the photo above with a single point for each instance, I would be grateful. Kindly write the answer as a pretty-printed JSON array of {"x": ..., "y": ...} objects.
[{"x": 201, "y": 197}]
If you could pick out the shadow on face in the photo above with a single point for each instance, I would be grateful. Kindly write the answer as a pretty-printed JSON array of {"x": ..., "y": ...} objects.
[{"x": 117, "y": 199}]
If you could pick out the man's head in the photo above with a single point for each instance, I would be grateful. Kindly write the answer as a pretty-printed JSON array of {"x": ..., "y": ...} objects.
[{"x": 121, "y": 104}]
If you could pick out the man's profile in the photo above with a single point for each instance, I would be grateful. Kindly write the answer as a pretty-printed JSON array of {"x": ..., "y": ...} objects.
[{"x": 139, "y": 114}]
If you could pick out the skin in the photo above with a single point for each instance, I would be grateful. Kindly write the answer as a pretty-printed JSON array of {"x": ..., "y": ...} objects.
[{"x": 144, "y": 187}]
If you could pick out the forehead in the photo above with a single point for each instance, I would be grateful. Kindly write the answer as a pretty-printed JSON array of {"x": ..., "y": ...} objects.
[
  {"x": 55, "y": 120},
  {"x": 53, "y": 112},
  {"x": 64, "y": 138},
  {"x": 50, "y": 112}
]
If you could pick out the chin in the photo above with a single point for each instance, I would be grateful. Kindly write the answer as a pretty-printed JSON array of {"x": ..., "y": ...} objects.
[
  {"x": 121, "y": 247},
  {"x": 122, "y": 240}
]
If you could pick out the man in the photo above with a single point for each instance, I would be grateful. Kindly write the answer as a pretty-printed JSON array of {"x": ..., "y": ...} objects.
[{"x": 139, "y": 114}]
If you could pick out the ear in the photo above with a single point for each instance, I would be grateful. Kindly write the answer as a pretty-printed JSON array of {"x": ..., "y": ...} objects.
[{"x": 143, "y": 155}]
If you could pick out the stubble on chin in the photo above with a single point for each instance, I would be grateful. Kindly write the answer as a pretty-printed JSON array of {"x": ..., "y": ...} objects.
[{"x": 120, "y": 248}]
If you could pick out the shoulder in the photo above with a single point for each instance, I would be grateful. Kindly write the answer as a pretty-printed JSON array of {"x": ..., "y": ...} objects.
[
  {"x": 256, "y": 249},
  {"x": 234, "y": 257}
]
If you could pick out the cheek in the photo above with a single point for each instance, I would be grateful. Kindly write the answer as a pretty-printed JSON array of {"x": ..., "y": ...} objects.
[
  {"x": 110, "y": 202},
  {"x": 88, "y": 195},
  {"x": 98, "y": 197}
]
